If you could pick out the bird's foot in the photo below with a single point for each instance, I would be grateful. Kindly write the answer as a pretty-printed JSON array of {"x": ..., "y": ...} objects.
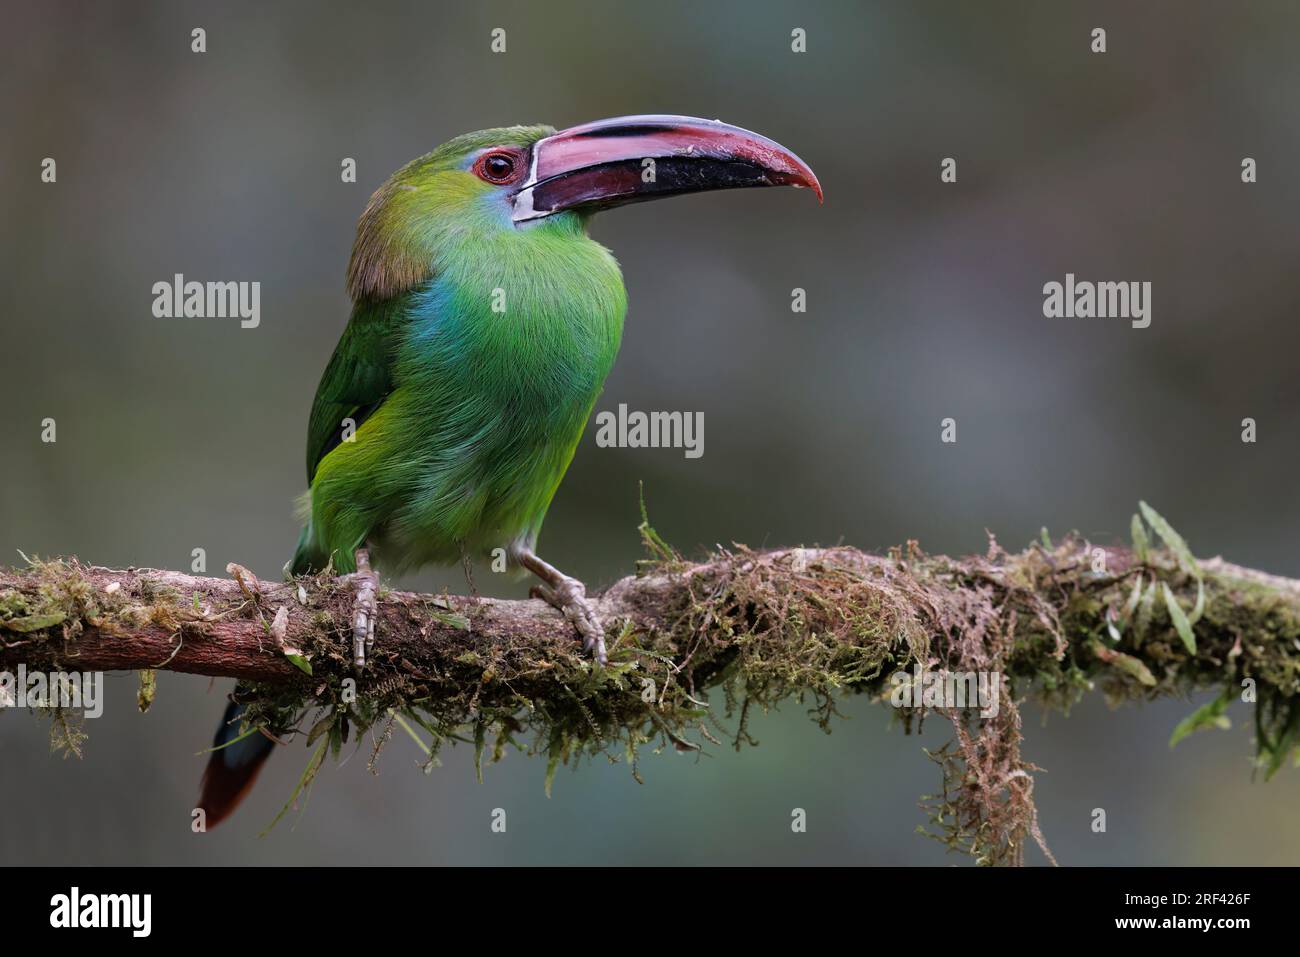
[
  {"x": 569, "y": 596},
  {"x": 365, "y": 608}
]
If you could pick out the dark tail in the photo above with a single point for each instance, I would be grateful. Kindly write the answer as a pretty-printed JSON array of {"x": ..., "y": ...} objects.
[
  {"x": 232, "y": 770},
  {"x": 307, "y": 559}
]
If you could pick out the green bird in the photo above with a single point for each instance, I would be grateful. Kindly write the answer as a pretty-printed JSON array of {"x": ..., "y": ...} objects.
[{"x": 484, "y": 323}]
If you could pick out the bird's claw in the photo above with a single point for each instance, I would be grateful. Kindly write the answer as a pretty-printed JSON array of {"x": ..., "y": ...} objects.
[
  {"x": 570, "y": 598},
  {"x": 365, "y": 608}
]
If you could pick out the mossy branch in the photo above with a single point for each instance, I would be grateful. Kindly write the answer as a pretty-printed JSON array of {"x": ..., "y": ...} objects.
[{"x": 696, "y": 646}]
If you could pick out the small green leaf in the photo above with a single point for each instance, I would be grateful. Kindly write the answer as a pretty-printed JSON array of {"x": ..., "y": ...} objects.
[
  {"x": 452, "y": 621},
  {"x": 308, "y": 775},
  {"x": 654, "y": 544},
  {"x": 1131, "y": 666},
  {"x": 1141, "y": 545},
  {"x": 406, "y": 726},
  {"x": 34, "y": 622},
  {"x": 1209, "y": 715},
  {"x": 1179, "y": 618},
  {"x": 1176, "y": 543},
  {"x": 319, "y": 728},
  {"x": 300, "y": 662},
  {"x": 552, "y": 764},
  {"x": 1199, "y": 610},
  {"x": 480, "y": 741},
  {"x": 1133, "y": 599},
  {"x": 1115, "y": 636},
  {"x": 1135, "y": 668},
  {"x": 148, "y": 688},
  {"x": 251, "y": 730}
]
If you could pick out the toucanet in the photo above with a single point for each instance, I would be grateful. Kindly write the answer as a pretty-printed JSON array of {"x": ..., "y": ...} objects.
[{"x": 484, "y": 322}]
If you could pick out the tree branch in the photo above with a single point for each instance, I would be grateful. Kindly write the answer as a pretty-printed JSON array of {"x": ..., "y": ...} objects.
[{"x": 1053, "y": 621}]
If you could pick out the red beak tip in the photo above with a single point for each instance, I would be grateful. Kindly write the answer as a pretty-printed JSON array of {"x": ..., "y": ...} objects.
[{"x": 810, "y": 182}]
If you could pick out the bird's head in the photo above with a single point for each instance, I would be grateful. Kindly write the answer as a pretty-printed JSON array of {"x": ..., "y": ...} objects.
[{"x": 532, "y": 177}]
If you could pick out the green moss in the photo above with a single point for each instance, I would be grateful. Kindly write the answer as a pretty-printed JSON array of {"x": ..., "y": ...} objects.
[{"x": 755, "y": 630}]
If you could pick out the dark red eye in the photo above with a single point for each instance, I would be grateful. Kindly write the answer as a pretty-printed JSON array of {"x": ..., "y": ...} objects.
[{"x": 497, "y": 167}]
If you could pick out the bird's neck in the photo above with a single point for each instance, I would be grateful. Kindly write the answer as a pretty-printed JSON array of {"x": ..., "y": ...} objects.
[{"x": 536, "y": 310}]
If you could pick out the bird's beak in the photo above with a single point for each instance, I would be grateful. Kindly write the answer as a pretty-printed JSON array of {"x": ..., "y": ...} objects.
[{"x": 634, "y": 158}]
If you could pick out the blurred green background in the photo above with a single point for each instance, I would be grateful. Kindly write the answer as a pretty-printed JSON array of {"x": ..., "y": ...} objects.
[{"x": 924, "y": 301}]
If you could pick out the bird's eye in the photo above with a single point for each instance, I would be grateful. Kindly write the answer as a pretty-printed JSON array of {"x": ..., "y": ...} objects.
[{"x": 497, "y": 167}]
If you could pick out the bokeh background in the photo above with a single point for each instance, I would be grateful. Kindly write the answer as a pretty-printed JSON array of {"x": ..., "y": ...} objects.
[{"x": 924, "y": 301}]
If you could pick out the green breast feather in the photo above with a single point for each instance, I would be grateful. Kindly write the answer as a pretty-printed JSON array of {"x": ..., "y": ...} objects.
[{"x": 468, "y": 396}]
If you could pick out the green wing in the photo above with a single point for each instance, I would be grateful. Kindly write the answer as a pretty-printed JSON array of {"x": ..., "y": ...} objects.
[{"x": 358, "y": 378}]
